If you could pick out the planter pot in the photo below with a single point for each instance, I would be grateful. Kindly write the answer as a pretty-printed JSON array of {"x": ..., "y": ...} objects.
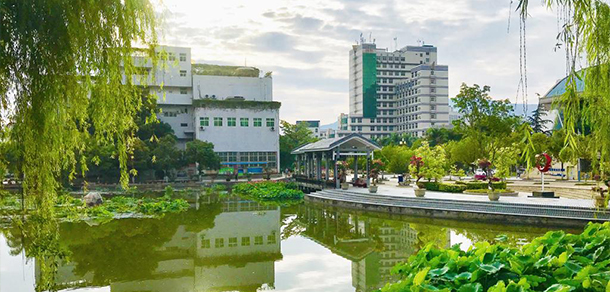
[
  {"x": 493, "y": 196},
  {"x": 420, "y": 193},
  {"x": 344, "y": 186},
  {"x": 373, "y": 189}
]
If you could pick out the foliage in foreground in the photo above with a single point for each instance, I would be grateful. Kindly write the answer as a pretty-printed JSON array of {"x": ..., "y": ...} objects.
[
  {"x": 554, "y": 262},
  {"x": 269, "y": 191}
]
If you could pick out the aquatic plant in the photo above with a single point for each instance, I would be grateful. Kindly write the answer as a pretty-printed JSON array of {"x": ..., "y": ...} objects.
[
  {"x": 554, "y": 262},
  {"x": 269, "y": 191}
]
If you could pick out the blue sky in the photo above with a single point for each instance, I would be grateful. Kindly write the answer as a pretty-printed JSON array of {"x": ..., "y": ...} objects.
[{"x": 306, "y": 43}]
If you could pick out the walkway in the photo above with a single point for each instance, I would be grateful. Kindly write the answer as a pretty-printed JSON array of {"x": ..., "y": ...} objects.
[{"x": 520, "y": 210}]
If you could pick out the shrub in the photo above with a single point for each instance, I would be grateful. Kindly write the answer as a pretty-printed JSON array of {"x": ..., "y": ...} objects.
[
  {"x": 554, "y": 262},
  {"x": 443, "y": 187},
  {"x": 484, "y": 191},
  {"x": 483, "y": 185}
]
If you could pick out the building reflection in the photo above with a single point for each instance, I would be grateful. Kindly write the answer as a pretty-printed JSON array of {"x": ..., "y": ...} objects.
[
  {"x": 373, "y": 245},
  {"x": 234, "y": 249}
]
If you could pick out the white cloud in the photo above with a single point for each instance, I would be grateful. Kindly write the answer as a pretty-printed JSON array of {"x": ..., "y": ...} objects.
[{"x": 306, "y": 43}]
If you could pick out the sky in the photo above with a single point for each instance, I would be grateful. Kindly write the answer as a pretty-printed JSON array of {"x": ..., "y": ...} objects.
[{"x": 306, "y": 43}]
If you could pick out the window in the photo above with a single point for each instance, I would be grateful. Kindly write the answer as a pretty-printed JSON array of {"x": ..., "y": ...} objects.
[
  {"x": 270, "y": 122},
  {"x": 171, "y": 56},
  {"x": 184, "y": 125},
  {"x": 244, "y": 122},
  {"x": 245, "y": 241},
  {"x": 182, "y": 73},
  {"x": 183, "y": 90},
  {"x": 433, "y": 116},
  {"x": 204, "y": 121},
  {"x": 205, "y": 243},
  {"x": 217, "y": 122},
  {"x": 231, "y": 122},
  {"x": 258, "y": 240},
  {"x": 271, "y": 239},
  {"x": 258, "y": 122},
  {"x": 219, "y": 242},
  {"x": 232, "y": 242},
  {"x": 182, "y": 57}
]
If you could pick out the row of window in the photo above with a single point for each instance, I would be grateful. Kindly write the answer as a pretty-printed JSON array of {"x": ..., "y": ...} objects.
[
  {"x": 378, "y": 120},
  {"x": 172, "y": 57},
  {"x": 247, "y": 156},
  {"x": 232, "y": 122},
  {"x": 233, "y": 241},
  {"x": 397, "y": 66}
]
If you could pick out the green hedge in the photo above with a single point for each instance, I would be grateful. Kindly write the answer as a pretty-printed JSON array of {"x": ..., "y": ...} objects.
[
  {"x": 551, "y": 263},
  {"x": 478, "y": 185},
  {"x": 443, "y": 187}
]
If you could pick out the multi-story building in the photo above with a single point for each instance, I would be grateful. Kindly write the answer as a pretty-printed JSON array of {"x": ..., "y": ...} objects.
[
  {"x": 235, "y": 113},
  {"x": 312, "y": 126},
  {"x": 404, "y": 91}
]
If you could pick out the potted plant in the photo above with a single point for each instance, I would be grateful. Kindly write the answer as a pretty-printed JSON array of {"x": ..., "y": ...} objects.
[
  {"x": 415, "y": 169},
  {"x": 267, "y": 173},
  {"x": 342, "y": 167},
  {"x": 249, "y": 176},
  {"x": 376, "y": 166},
  {"x": 485, "y": 165}
]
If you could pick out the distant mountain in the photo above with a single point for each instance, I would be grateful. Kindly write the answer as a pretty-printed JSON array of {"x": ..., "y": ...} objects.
[
  {"x": 333, "y": 126},
  {"x": 519, "y": 108}
]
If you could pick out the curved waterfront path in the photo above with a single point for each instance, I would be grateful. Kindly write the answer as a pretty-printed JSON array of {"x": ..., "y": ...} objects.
[{"x": 511, "y": 210}]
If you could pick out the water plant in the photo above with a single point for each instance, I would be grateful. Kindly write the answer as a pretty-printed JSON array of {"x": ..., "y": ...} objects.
[
  {"x": 554, "y": 262},
  {"x": 269, "y": 191}
]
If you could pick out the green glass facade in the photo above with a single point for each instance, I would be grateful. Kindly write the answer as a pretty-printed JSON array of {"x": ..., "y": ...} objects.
[{"x": 369, "y": 85}]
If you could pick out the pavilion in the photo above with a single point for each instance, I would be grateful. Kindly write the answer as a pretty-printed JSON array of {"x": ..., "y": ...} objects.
[{"x": 309, "y": 157}]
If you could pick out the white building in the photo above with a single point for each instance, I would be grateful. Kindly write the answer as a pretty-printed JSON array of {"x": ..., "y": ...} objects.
[
  {"x": 376, "y": 110},
  {"x": 236, "y": 114}
]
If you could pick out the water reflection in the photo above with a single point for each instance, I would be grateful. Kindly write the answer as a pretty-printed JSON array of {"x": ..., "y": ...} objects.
[{"x": 230, "y": 244}]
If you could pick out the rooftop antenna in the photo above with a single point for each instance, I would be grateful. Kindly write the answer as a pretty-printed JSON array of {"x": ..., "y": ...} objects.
[
  {"x": 370, "y": 36},
  {"x": 419, "y": 42},
  {"x": 395, "y": 43}
]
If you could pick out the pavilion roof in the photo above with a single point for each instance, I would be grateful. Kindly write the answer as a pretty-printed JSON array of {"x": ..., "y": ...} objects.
[{"x": 355, "y": 140}]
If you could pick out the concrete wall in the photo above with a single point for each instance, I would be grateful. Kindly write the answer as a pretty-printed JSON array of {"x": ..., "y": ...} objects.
[
  {"x": 221, "y": 87},
  {"x": 238, "y": 138}
]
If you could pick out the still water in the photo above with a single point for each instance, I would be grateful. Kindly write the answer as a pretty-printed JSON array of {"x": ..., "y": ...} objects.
[{"x": 230, "y": 244}]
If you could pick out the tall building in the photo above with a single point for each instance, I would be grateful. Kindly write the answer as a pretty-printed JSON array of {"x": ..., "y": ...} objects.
[
  {"x": 235, "y": 113},
  {"x": 404, "y": 91}
]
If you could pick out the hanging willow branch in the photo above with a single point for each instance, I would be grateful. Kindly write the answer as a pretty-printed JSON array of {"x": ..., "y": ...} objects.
[
  {"x": 67, "y": 73},
  {"x": 585, "y": 34}
]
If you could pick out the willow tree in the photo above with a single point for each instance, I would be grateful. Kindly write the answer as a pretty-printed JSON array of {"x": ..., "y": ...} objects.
[
  {"x": 585, "y": 35},
  {"x": 67, "y": 74}
]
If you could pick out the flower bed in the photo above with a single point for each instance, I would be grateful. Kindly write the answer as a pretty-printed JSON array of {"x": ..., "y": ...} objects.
[
  {"x": 554, "y": 262},
  {"x": 269, "y": 191},
  {"x": 471, "y": 185},
  {"x": 503, "y": 192}
]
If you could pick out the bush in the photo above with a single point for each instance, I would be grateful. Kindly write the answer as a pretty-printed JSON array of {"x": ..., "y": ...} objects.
[
  {"x": 443, "y": 187},
  {"x": 452, "y": 188},
  {"x": 554, "y": 262},
  {"x": 483, "y": 185},
  {"x": 484, "y": 191},
  {"x": 269, "y": 191}
]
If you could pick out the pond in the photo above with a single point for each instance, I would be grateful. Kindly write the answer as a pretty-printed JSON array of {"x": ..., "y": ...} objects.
[{"x": 230, "y": 244}]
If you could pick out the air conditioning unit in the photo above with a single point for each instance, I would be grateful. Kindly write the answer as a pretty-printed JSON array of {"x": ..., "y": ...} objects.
[{"x": 201, "y": 128}]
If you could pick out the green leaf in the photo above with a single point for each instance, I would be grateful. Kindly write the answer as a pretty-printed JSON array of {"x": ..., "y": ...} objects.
[
  {"x": 439, "y": 272},
  {"x": 420, "y": 276},
  {"x": 428, "y": 287},
  {"x": 559, "y": 288},
  {"x": 491, "y": 269},
  {"x": 573, "y": 267},
  {"x": 472, "y": 287},
  {"x": 543, "y": 262},
  {"x": 463, "y": 276}
]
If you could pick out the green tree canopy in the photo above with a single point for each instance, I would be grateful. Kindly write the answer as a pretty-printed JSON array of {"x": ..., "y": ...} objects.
[
  {"x": 293, "y": 135},
  {"x": 203, "y": 154}
]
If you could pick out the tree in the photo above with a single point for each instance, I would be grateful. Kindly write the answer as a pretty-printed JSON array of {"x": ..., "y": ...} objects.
[
  {"x": 506, "y": 158},
  {"x": 63, "y": 66},
  {"x": 585, "y": 35},
  {"x": 537, "y": 121},
  {"x": 166, "y": 156},
  {"x": 203, "y": 154},
  {"x": 438, "y": 136},
  {"x": 434, "y": 161},
  {"x": 293, "y": 135},
  {"x": 396, "y": 158}
]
